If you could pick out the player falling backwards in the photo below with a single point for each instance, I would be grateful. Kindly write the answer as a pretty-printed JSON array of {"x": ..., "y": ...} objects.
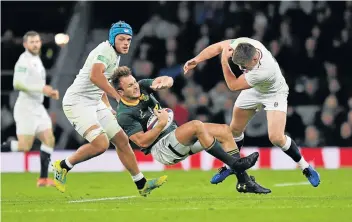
[
  {"x": 87, "y": 107},
  {"x": 262, "y": 84},
  {"x": 174, "y": 144},
  {"x": 32, "y": 120}
]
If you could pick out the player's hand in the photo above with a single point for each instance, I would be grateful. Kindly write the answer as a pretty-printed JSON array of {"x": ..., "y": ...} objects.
[
  {"x": 55, "y": 94},
  {"x": 158, "y": 86},
  {"x": 113, "y": 111},
  {"x": 47, "y": 90},
  {"x": 190, "y": 64},
  {"x": 162, "y": 116},
  {"x": 227, "y": 52}
]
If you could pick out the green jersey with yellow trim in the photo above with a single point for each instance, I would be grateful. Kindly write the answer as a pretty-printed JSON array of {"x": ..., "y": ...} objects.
[{"x": 133, "y": 118}]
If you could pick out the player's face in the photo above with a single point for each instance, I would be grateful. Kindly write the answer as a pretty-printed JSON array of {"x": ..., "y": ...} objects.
[
  {"x": 130, "y": 87},
  {"x": 122, "y": 43},
  {"x": 33, "y": 44}
]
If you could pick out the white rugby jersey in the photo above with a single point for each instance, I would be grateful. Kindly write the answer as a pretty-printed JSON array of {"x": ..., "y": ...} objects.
[
  {"x": 266, "y": 76},
  {"x": 29, "y": 78},
  {"x": 105, "y": 54}
]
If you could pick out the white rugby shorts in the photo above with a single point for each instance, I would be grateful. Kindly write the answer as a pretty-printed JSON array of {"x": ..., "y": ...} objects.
[
  {"x": 252, "y": 99},
  {"x": 168, "y": 150},
  {"x": 83, "y": 116},
  {"x": 33, "y": 121}
]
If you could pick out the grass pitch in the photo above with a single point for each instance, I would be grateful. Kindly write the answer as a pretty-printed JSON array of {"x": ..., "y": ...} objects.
[{"x": 187, "y": 196}]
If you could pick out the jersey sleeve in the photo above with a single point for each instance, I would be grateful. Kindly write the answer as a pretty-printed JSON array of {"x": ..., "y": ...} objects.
[
  {"x": 146, "y": 83},
  {"x": 102, "y": 57},
  {"x": 129, "y": 124},
  {"x": 20, "y": 76},
  {"x": 235, "y": 42}
]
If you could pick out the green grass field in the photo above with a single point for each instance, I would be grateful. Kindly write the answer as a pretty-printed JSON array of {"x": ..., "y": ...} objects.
[{"x": 187, "y": 196}]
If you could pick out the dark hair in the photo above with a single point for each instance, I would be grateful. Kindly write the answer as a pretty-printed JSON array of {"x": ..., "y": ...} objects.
[
  {"x": 243, "y": 54},
  {"x": 120, "y": 72},
  {"x": 29, "y": 34}
]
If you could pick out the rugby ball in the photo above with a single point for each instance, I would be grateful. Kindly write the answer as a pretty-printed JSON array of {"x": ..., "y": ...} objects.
[{"x": 153, "y": 120}]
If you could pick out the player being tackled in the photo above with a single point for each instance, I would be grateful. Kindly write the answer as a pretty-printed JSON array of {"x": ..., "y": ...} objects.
[
  {"x": 87, "y": 107},
  {"x": 167, "y": 142}
]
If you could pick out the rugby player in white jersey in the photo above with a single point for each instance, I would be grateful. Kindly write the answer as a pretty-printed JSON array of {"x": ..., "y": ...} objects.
[
  {"x": 87, "y": 107},
  {"x": 262, "y": 85},
  {"x": 32, "y": 120}
]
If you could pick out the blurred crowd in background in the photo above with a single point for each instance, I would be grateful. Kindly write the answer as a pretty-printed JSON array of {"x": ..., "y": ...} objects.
[{"x": 311, "y": 41}]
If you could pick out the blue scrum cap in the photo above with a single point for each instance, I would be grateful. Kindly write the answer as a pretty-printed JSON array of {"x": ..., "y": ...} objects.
[{"x": 117, "y": 28}]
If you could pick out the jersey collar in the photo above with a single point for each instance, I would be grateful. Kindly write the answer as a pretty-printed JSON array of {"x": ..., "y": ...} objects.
[{"x": 130, "y": 103}]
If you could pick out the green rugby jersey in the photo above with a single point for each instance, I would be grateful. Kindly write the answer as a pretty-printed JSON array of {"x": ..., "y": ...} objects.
[{"x": 133, "y": 118}]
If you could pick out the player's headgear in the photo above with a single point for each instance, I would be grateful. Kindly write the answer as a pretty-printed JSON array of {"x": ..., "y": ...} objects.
[{"x": 117, "y": 28}]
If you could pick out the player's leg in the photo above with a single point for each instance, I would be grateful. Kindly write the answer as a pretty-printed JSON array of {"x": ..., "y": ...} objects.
[
  {"x": 276, "y": 108},
  {"x": 25, "y": 131},
  {"x": 239, "y": 121},
  {"x": 46, "y": 136},
  {"x": 124, "y": 151},
  {"x": 189, "y": 132},
  {"x": 243, "y": 110},
  {"x": 84, "y": 119},
  {"x": 223, "y": 134},
  {"x": 46, "y": 149}
]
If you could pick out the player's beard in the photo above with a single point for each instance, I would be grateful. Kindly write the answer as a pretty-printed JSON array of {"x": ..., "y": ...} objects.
[{"x": 33, "y": 52}]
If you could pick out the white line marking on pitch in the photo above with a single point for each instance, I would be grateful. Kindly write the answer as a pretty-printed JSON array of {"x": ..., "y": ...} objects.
[
  {"x": 176, "y": 209},
  {"x": 291, "y": 184},
  {"x": 100, "y": 199}
]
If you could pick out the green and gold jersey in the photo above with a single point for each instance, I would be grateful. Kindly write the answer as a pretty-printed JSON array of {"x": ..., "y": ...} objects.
[{"x": 133, "y": 118}]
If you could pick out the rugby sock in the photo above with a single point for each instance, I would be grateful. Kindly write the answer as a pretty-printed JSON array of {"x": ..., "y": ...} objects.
[
  {"x": 239, "y": 141},
  {"x": 5, "y": 147},
  {"x": 45, "y": 153},
  {"x": 291, "y": 149},
  {"x": 9, "y": 146},
  {"x": 66, "y": 164},
  {"x": 216, "y": 150},
  {"x": 242, "y": 177},
  {"x": 139, "y": 180}
]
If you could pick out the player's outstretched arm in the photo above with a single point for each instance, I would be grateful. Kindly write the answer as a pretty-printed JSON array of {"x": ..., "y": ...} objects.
[
  {"x": 97, "y": 77},
  {"x": 231, "y": 80},
  {"x": 145, "y": 139},
  {"x": 207, "y": 53},
  {"x": 162, "y": 82}
]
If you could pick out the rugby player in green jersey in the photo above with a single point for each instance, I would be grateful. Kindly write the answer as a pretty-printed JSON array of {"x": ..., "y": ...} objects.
[{"x": 175, "y": 143}]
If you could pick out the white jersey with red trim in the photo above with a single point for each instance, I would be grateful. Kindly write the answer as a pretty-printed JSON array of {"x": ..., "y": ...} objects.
[{"x": 266, "y": 76}]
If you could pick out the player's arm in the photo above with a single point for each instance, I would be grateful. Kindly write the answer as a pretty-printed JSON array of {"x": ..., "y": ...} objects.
[
  {"x": 162, "y": 82},
  {"x": 105, "y": 100},
  {"x": 145, "y": 139},
  {"x": 97, "y": 76},
  {"x": 233, "y": 83},
  {"x": 207, "y": 53},
  {"x": 20, "y": 83}
]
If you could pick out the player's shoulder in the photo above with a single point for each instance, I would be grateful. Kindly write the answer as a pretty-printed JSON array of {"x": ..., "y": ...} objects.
[
  {"x": 105, "y": 48},
  {"x": 23, "y": 58}
]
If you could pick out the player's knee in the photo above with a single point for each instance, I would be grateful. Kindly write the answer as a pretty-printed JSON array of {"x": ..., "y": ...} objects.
[
  {"x": 101, "y": 143},
  {"x": 226, "y": 129},
  {"x": 198, "y": 126},
  {"x": 236, "y": 132},
  {"x": 277, "y": 139}
]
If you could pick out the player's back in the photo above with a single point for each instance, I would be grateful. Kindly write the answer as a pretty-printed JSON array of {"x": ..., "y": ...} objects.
[
  {"x": 266, "y": 76},
  {"x": 29, "y": 69},
  {"x": 105, "y": 54}
]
